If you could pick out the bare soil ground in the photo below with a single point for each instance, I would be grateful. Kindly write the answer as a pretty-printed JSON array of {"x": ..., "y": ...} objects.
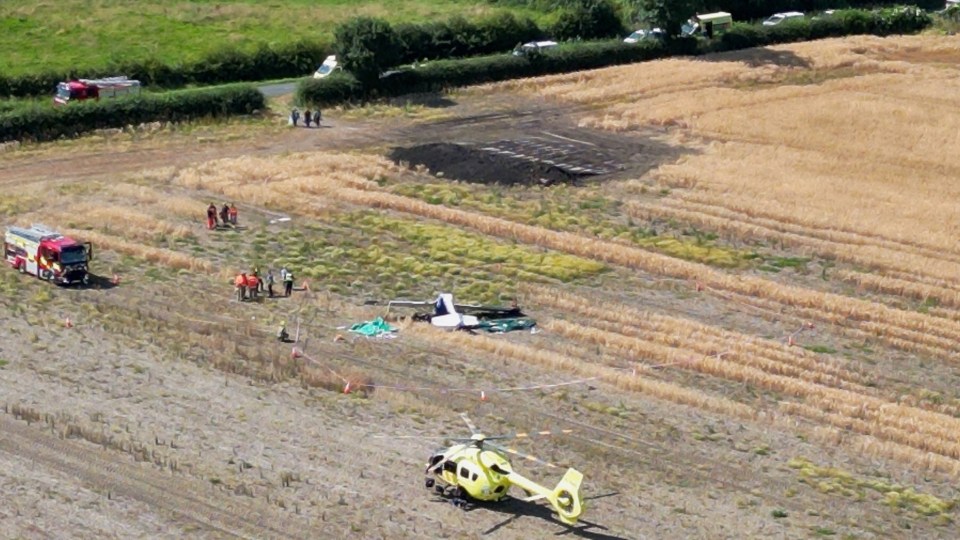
[{"x": 167, "y": 409}]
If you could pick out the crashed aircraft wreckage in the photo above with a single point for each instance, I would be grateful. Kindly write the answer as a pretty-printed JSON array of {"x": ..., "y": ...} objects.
[{"x": 448, "y": 314}]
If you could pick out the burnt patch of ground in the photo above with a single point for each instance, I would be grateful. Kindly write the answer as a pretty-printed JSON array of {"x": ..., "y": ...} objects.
[{"x": 481, "y": 165}]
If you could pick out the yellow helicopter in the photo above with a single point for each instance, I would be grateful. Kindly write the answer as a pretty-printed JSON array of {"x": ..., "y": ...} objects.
[{"x": 478, "y": 468}]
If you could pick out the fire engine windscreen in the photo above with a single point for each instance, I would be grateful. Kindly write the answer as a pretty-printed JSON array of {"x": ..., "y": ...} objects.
[
  {"x": 73, "y": 255},
  {"x": 63, "y": 92}
]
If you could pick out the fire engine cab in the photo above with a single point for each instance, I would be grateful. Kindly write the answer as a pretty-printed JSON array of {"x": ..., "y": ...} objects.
[
  {"x": 81, "y": 89},
  {"x": 47, "y": 254}
]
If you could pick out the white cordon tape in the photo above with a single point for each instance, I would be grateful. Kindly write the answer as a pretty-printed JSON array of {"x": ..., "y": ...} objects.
[{"x": 350, "y": 385}]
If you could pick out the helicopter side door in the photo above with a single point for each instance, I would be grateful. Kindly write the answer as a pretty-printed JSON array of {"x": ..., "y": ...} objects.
[
  {"x": 474, "y": 481},
  {"x": 448, "y": 471}
]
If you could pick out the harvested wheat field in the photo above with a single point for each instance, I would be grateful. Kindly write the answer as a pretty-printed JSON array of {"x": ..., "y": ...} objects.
[{"x": 743, "y": 270}]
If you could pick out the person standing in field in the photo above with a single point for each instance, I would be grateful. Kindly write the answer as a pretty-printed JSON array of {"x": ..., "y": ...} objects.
[
  {"x": 253, "y": 285},
  {"x": 256, "y": 274},
  {"x": 211, "y": 216},
  {"x": 317, "y": 117},
  {"x": 307, "y": 116},
  {"x": 288, "y": 283},
  {"x": 270, "y": 280},
  {"x": 240, "y": 282},
  {"x": 233, "y": 214},
  {"x": 224, "y": 213},
  {"x": 294, "y": 116}
]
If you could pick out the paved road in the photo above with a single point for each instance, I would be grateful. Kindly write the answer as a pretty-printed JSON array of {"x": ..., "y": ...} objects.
[{"x": 274, "y": 90}]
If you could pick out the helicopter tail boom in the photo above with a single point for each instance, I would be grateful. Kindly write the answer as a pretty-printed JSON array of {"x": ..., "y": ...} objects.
[{"x": 565, "y": 498}]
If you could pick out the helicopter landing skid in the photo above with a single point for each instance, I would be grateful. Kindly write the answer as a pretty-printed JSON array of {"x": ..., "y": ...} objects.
[{"x": 454, "y": 494}]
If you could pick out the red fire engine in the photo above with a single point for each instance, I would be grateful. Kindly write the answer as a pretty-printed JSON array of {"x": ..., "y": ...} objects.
[
  {"x": 81, "y": 89},
  {"x": 47, "y": 254}
]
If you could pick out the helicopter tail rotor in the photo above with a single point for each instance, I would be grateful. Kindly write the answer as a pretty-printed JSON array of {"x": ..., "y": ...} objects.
[{"x": 566, "y": 497}]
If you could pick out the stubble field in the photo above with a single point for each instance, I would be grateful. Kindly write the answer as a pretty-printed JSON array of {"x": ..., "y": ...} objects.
[{"x": 762, "y": 301}]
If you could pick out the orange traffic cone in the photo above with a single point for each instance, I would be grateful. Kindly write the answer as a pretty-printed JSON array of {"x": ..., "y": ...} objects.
[
  {"x": 483, "y": 396},
  {"x": 295, "y": 353},
  {"x": 68, "y": 323},
  {"x": 115, "y": 280},
  {"x": 790, "y": 341},
  {"x": 346, "y": 389}
]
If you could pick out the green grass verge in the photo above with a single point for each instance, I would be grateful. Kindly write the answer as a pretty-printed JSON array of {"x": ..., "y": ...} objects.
[{"x": 86, "y": 34}]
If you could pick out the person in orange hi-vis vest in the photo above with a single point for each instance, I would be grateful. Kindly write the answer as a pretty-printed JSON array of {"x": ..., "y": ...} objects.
[
  {"x": 253, "y": 284},
  {"x": 241, "y": 283},
  {"x": 233, "y": 215}
]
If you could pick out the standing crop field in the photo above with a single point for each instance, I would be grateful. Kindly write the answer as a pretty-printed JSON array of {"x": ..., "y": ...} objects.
[
  {"x": 833, "y": 147},
  {"x": 749, "y": 320}
]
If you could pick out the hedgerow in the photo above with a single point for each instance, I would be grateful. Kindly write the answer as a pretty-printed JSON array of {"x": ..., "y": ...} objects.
[
  {"x": 222, "y": 66},
  {"x": 897, "y": 20},
  {"x": 42, "y": 123},
  {"x": 442, "y": 74}
]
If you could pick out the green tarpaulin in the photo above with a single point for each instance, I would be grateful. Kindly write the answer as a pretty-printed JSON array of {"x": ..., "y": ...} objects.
[
  {"x": 373, "y": 328},
  {"x": 507, "y": 325}
]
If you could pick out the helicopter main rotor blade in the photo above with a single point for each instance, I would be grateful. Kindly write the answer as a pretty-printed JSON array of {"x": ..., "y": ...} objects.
[
  {"x": 423, "y": 437},
  {"x": 516, "y": 452},
  {"x": 529, "y": 435},
  {"x": 470, "y": 424},
  {"x": 547, "y": 433}
]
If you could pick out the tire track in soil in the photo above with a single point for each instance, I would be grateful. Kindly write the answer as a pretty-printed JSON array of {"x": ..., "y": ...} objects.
[{"x": 179, "y": 497}]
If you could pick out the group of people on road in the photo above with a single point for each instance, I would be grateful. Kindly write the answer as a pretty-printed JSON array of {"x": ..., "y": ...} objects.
[
  {"x": 250, "y": 286},
  {"x": 226, "y": 216},
  {"x": 308, "y": 117}
]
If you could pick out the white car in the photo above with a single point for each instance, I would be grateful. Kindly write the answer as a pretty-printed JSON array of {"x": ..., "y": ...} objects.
[
  {"x": 641, "y": 35},
  {"x": 327, "y": 67},
  {"x": 534, "y": 46},
  {"x": 778, "y": 18}
]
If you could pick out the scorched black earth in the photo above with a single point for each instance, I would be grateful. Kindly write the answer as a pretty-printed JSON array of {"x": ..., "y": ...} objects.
[{"x": 479, "y": 165}]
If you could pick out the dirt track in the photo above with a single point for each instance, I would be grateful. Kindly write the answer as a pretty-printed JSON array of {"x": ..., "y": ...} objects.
[
  {"x": 188, "y": 503},
  {"x": 467, "y": 121}
]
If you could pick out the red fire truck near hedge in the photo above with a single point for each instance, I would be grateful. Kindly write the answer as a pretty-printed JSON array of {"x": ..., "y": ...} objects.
[
  {"x": 81, "y": 89},
  {"x": 48, "y": 254}
]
